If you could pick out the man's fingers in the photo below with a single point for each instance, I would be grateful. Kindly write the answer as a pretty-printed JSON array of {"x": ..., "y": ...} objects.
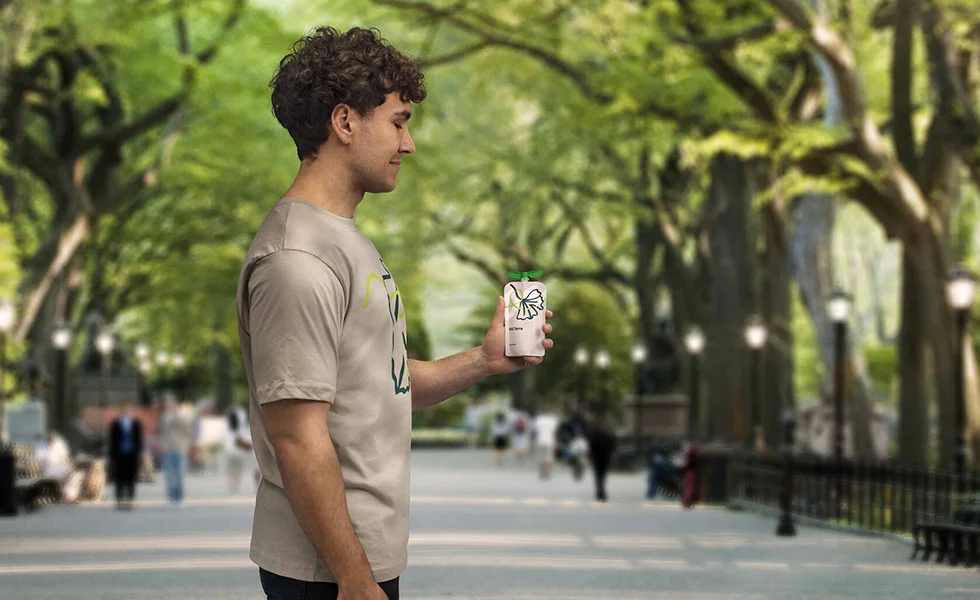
[
  {"x": 548, "y": 314},
  {"x": 549, "y": 343},
  {"x": 548, "y": 328}
]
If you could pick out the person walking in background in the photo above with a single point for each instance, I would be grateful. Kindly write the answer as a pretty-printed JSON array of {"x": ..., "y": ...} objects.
[
  {"x": 691, "y": 455},
  {"x": 545, "y": 439},
  {"x": 500, "y": 431},
  {"x": 176, "y": 436},
  {"x": 521, "y": 436},
  {"x": 602, "y": 445},
  {"x": 658, "y": 470},
  {"x": 125, "y": 450},
  {"x": 238, "y": 447}
]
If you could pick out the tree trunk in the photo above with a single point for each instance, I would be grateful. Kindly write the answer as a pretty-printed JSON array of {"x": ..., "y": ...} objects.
[
  {"x": 777, "y": 306},
  {"x": 732, "y": 250},
  {"x": 928, "y": 267},
  {"x": 913, "y": 394}
]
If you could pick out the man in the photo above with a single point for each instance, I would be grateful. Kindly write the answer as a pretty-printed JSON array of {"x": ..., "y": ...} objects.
[
  {"x": 602, "y": 446},
  {"x": 125, "y": 450},
  {"x": 323, "y": 334},
  {"x": 176, "y": 437}
]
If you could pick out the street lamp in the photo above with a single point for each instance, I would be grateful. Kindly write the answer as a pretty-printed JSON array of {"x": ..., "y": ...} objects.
[
  {"x": 104, "y": 344},
  {"x": 8, "y": 314},
  {"x": 602, "y": 361},
  {"x": 785, "y": 527},
  {"x": 839, "y": 310},
  {"x": 61, "y": 340},
  {"x": 639, "y": 355},
  {"x": 756, "y": 335},
  {"x": 694, "y": 342},
  {"x": 582, "y": 360},
  {"x": 960, "y": 291}
]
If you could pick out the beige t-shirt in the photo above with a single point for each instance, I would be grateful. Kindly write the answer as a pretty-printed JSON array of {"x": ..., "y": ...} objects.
[{"x": 320, "y": 318}]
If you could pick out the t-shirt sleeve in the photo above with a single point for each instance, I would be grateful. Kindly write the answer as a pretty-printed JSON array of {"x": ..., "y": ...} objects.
[{"x": 296, "y": 314}]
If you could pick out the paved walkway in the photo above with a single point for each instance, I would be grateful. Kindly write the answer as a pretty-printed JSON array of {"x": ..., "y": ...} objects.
[{"x": 478, "y": 532}]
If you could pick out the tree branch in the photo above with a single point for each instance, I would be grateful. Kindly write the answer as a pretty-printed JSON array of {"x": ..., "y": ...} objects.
[
  {"x": 578, "y": 77},
  {"x": 902, "y": 81},
  {"x": 455, "y": 56},
  {"x": 874, "y": 150},
  {"x": 754, "y": 97}
]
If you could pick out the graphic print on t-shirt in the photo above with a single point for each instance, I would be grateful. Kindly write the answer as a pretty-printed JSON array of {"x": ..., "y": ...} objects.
[{"x": 396, "y": 310}]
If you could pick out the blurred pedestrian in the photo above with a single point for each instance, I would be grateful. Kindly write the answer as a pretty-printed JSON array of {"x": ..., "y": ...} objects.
[
  {"x": 238, "y": 447},
  {"x": 602, "y": 445},
  {"x": 690, "y": 457},
  {"x": 125, "y": 450},
  {"x": 500, "y": 431},
  {"x": 545, "y": 427},
  {"x": 176, "y": 436},
  {"x": 658, "y": 471},
  {"x": 521, "y": 436}
]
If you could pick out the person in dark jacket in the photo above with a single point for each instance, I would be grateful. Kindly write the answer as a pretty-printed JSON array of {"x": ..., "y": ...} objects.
[
  {"x": 125, "y": 450},
  {"x": 602, "y": 445}
]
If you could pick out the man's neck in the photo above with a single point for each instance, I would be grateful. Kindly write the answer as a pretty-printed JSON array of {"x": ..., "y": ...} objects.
[{"x": 328, "y": 185}]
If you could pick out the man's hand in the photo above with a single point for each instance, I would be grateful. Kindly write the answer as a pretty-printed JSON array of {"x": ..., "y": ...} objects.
[{"x": 493, "y": 348}]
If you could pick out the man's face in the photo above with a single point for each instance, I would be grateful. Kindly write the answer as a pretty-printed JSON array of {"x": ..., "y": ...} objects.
[{"x": 379, "y": 143}]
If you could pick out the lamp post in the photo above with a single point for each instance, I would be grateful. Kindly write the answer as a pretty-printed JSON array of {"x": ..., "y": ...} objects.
[
  {"x": 104, "y": 344},
  {"x": 694, "y": 342},
  {"x": 177, "y": 363},
  {"x": 839, "y": 310},
  {"x": 60, "y": 341},
  {"x": 756, "y": 335},
  {"x": 582, "y": 360},
  {"x": 785, "y": 527},
  {"x": 602, "y": 361},
  {"x": 163, "y": 359},
  {"x": 639, "y": 355},
  {"x": 961, "y": 288},
  {"x": 8, "y": 315},
  {"x": 8, "y": 507}
]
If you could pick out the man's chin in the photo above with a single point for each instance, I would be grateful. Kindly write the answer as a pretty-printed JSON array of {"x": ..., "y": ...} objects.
[{"x": 382, "y": 188}]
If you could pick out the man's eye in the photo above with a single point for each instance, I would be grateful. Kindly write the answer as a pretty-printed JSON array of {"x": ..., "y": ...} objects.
[{"x": 397, "y": 126}]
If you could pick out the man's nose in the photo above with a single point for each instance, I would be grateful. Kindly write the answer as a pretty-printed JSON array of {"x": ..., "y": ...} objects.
[{"x": 408, "y": 144}]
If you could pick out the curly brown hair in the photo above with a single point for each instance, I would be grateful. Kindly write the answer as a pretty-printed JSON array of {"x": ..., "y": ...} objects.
[{"x": 326, "y": 68}]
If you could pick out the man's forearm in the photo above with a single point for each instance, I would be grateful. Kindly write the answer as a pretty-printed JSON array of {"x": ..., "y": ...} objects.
[
  {"x": 434, "y": 381},
  {"x": 314, "y": 487}
]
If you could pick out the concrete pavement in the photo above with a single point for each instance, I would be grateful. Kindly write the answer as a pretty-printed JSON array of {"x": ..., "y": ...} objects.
[{"x": 478, "y": 532}]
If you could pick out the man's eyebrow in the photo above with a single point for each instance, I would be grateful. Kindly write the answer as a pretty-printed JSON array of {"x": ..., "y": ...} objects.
[{"x": 407, "y": 114}]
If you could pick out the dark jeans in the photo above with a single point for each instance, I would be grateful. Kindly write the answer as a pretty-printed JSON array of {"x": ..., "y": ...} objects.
[
  {"x": 277, "y": 587},
  {"x": 600, "y": 469},
  {"x": 126, "y": 470}
]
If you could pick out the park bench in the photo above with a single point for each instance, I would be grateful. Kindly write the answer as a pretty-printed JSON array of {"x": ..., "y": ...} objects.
[
  {"x": 31, "y": 488},
  {"x": 956, "y": 542}
]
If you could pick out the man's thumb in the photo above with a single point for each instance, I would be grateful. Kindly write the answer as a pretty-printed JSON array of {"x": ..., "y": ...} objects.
[{"x": 498, "y": 317}]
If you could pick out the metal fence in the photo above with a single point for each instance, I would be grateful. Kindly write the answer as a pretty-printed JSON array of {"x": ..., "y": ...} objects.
[{"x": 877, "y": 496}]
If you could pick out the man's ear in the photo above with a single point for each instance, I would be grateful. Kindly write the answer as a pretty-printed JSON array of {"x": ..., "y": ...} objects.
[{"x": 342, "y": 123}]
